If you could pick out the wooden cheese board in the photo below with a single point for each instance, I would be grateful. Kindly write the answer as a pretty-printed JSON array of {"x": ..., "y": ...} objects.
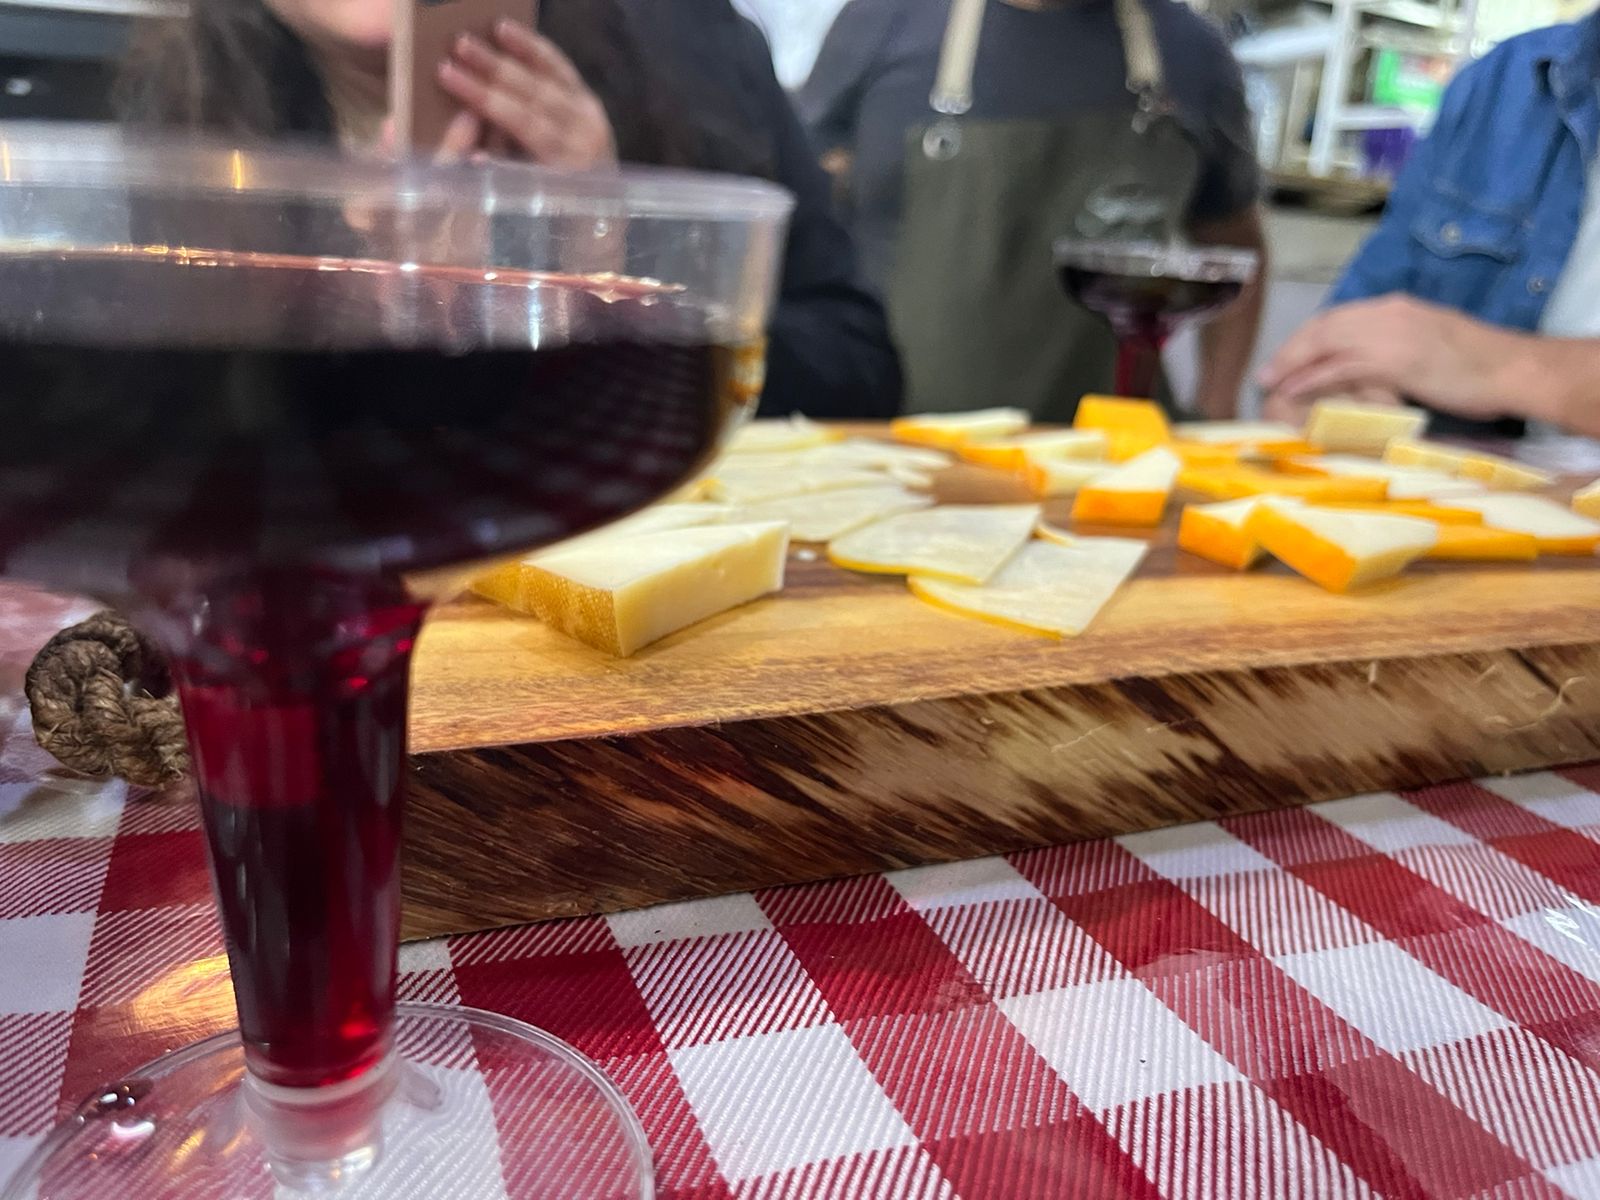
[{"x": 845, "y": 727}]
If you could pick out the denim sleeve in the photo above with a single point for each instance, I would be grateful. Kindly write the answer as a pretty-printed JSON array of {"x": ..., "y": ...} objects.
[{"x": 1387, "y": 262}]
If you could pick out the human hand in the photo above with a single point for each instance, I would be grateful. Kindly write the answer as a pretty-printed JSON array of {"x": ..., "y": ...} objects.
[
  {"x": 1392, "y": 347},
  {"x": 524, "y": 93}
]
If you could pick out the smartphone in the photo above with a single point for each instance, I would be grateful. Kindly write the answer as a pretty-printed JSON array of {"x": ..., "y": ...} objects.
[{"x": 424, "y": 32}]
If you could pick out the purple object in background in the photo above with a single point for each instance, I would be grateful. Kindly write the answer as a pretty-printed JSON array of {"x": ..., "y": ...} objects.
[{"x": 1386, "y": 151}]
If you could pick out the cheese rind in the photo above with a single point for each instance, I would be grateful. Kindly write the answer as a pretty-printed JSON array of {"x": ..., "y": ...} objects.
[
  {"x": 1362, "y": 428},
  {"x": 1216, "y": 532},
  {"x": 1474, "y": 543},
  {"x": 623, "y": 594},
  {"x": 1047, "y": 588},
  {"x": 1340, "y": 550},
  {"x": 961, "y": 543}
]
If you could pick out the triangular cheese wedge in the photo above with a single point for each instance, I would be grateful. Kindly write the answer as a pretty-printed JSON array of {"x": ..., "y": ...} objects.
[
  {"x": 828, "y": 515},
  {"x": 1361, "y": 428},
  {"x": 1340, "y": 550},
  {"x": 1405, "y": 483},
  {"x": 1424, "y": 510},
  {"x": 961, "y": 543},
  {"x": 504, "y": 585},
  {"x": 1586, "y": 503},
  {"x": 1474, "y": 543},
  {"x": 1557, "y": 530},
  {"x": 1046, "y": 588},
  {"x": 956, "y": 429},
  {"x": 1064, "y": 476},
  {"x": 622, "y": 594},
  {"x": 1217, "y": 532},
  {"x": 1012, "y": 454},
  {"x": 768, "y": 437},
  {"x": 1132, "y": 494},
  {"x": 1117, "y": 414}
]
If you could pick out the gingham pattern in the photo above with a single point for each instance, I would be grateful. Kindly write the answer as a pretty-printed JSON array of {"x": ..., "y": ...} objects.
[{"x": 1388, "y": 996}]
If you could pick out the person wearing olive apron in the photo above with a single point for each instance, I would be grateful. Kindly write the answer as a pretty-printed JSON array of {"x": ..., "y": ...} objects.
[{"x": 1077, "y": 118}]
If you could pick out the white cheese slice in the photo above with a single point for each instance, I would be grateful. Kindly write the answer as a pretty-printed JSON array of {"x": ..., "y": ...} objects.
[
  {"x": 829, "y": 515},
  {"x": 1046, "y": 588},
  {"x": 964, "y": 543}
]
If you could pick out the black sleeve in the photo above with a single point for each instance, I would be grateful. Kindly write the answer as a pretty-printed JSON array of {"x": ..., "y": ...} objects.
[
  {"x": 830, "y": 355},
  {"x": 831, "y": 96},
  {"x": 1230, "y": 177}
]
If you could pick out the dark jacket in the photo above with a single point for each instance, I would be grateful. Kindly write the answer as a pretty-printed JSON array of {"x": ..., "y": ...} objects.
[{"x": 831, "y": 355}]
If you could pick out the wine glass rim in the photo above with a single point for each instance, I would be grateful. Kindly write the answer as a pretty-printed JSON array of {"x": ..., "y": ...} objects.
[
  {"x": 1221, "y": 262},
  {"x": 100, "y": 156}
]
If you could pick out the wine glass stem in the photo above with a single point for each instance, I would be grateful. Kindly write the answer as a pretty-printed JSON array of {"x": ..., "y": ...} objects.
[
  {"x": 294, "y": 691},
  {"x": 1138, "y": 365}
]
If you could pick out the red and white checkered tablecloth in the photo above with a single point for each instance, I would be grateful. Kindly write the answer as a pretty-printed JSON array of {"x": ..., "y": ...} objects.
[{"x": 1390, "y": 996}]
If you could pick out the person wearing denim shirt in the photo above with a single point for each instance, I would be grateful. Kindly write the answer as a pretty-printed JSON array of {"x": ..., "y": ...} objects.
[{"x": 1492, "y": 237}]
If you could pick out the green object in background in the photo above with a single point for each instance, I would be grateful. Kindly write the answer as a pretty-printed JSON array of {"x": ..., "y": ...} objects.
[{"x": 1414, "y": 82}]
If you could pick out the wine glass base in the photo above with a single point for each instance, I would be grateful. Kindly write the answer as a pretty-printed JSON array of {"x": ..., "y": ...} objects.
[{"x": 474, "y": 1106}]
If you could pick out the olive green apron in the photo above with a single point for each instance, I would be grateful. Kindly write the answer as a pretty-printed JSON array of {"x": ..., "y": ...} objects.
[{"x": 976, "y": 306}]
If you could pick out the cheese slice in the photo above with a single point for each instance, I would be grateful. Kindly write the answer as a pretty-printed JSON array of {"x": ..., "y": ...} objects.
[
  {"x": 1132, "y": 427},
  {"x": 765, "y": 437},
  {"x": 1259, "y": 434},
  {"x": 736, "y": 483},
  {"x": 1489, "y": 470},
  {"x": 1063, "y": 476},
  {"x": 1424, "y": 510},
  {"x": 871, "y": 455},
  {"x": 1133, "y": 494},
  {"x": 962, "y": 543},
  {"x": 1236, "y": 483},
  {"x": 1362, "y": 428},
  {"x": 1217, "y": 532},
  {"x": 1468, "y": 543},
  {"x": 956, "y": 429},
  {"x": 1557, "y": 530},
  {"x": 1586, "y": 503},
  {"x": 1046, "y": 588},
  {"x": 1405, "y": 483},
  {"x": 1053, "y": 533},
  {"x": 1340, "y": 550},
  {"x": 504, "y": 585},
  {"x": 1012, "y": 454},
  {"x": 622, "y": 594},
  {"x": 821, "y": 518}
]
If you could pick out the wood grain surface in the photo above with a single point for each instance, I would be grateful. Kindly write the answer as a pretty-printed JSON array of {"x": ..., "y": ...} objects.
[{"x": 846, "y": 727}]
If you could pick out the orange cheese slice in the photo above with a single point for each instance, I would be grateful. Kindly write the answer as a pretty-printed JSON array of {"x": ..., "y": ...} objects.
[
  {"x": 1340, "y": 550},
  {"x": 1238, "y": 482},
  {"x": 1135, "y": 493},
  {"x": 1217, "y": 532},
  {"x": 1423, "y": 510},
  {"x": 1133, "y": 426},
  {"x": 1586, "y": 503}
]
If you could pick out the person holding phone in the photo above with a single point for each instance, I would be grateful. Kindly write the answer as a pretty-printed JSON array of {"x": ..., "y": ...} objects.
[{"x": 575, "y": 93}]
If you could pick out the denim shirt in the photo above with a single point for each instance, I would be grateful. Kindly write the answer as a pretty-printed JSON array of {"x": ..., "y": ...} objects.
[{"x": 1485, "y": 215}]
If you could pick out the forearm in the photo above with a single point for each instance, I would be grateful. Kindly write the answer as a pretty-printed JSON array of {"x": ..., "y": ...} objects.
[
  {"x": 1227, "y": 346},
  {"x": 1228, "y": 343},
  {"x": 1554, "y": 380}
]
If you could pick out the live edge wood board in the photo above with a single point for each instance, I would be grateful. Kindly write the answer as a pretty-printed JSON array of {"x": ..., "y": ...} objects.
[{"x": 845, "y": 727}]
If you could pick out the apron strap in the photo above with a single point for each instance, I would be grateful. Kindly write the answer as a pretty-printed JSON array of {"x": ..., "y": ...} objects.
[{"x": 958, "y": 57}]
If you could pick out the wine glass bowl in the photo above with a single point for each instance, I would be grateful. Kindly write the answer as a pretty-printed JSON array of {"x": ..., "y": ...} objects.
[
  {"x": 264, "y": 400},
  {"x": 1147, "y": 290}
]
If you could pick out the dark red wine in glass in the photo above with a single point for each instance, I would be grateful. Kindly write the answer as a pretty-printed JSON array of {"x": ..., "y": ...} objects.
[
  {"x": 273, "y": 461},
  {"x": 1146, "y": 291}
]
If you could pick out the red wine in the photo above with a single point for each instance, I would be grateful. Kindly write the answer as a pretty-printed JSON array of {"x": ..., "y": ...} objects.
[
  {"x": 257, "y": 494},
  {"x": 1144, "y": 310}
]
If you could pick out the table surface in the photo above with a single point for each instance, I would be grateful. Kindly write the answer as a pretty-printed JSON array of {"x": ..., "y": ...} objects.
[{"x": 1392, "y": 995}]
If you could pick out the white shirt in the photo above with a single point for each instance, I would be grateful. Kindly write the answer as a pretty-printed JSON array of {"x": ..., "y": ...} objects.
[{"x": 1574, "y": 308}]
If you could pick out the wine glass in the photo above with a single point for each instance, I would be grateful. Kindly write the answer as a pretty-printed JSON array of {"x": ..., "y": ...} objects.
[
  {"x": 1146, "y": 290},
  {"x": 272, "y": 404}
]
